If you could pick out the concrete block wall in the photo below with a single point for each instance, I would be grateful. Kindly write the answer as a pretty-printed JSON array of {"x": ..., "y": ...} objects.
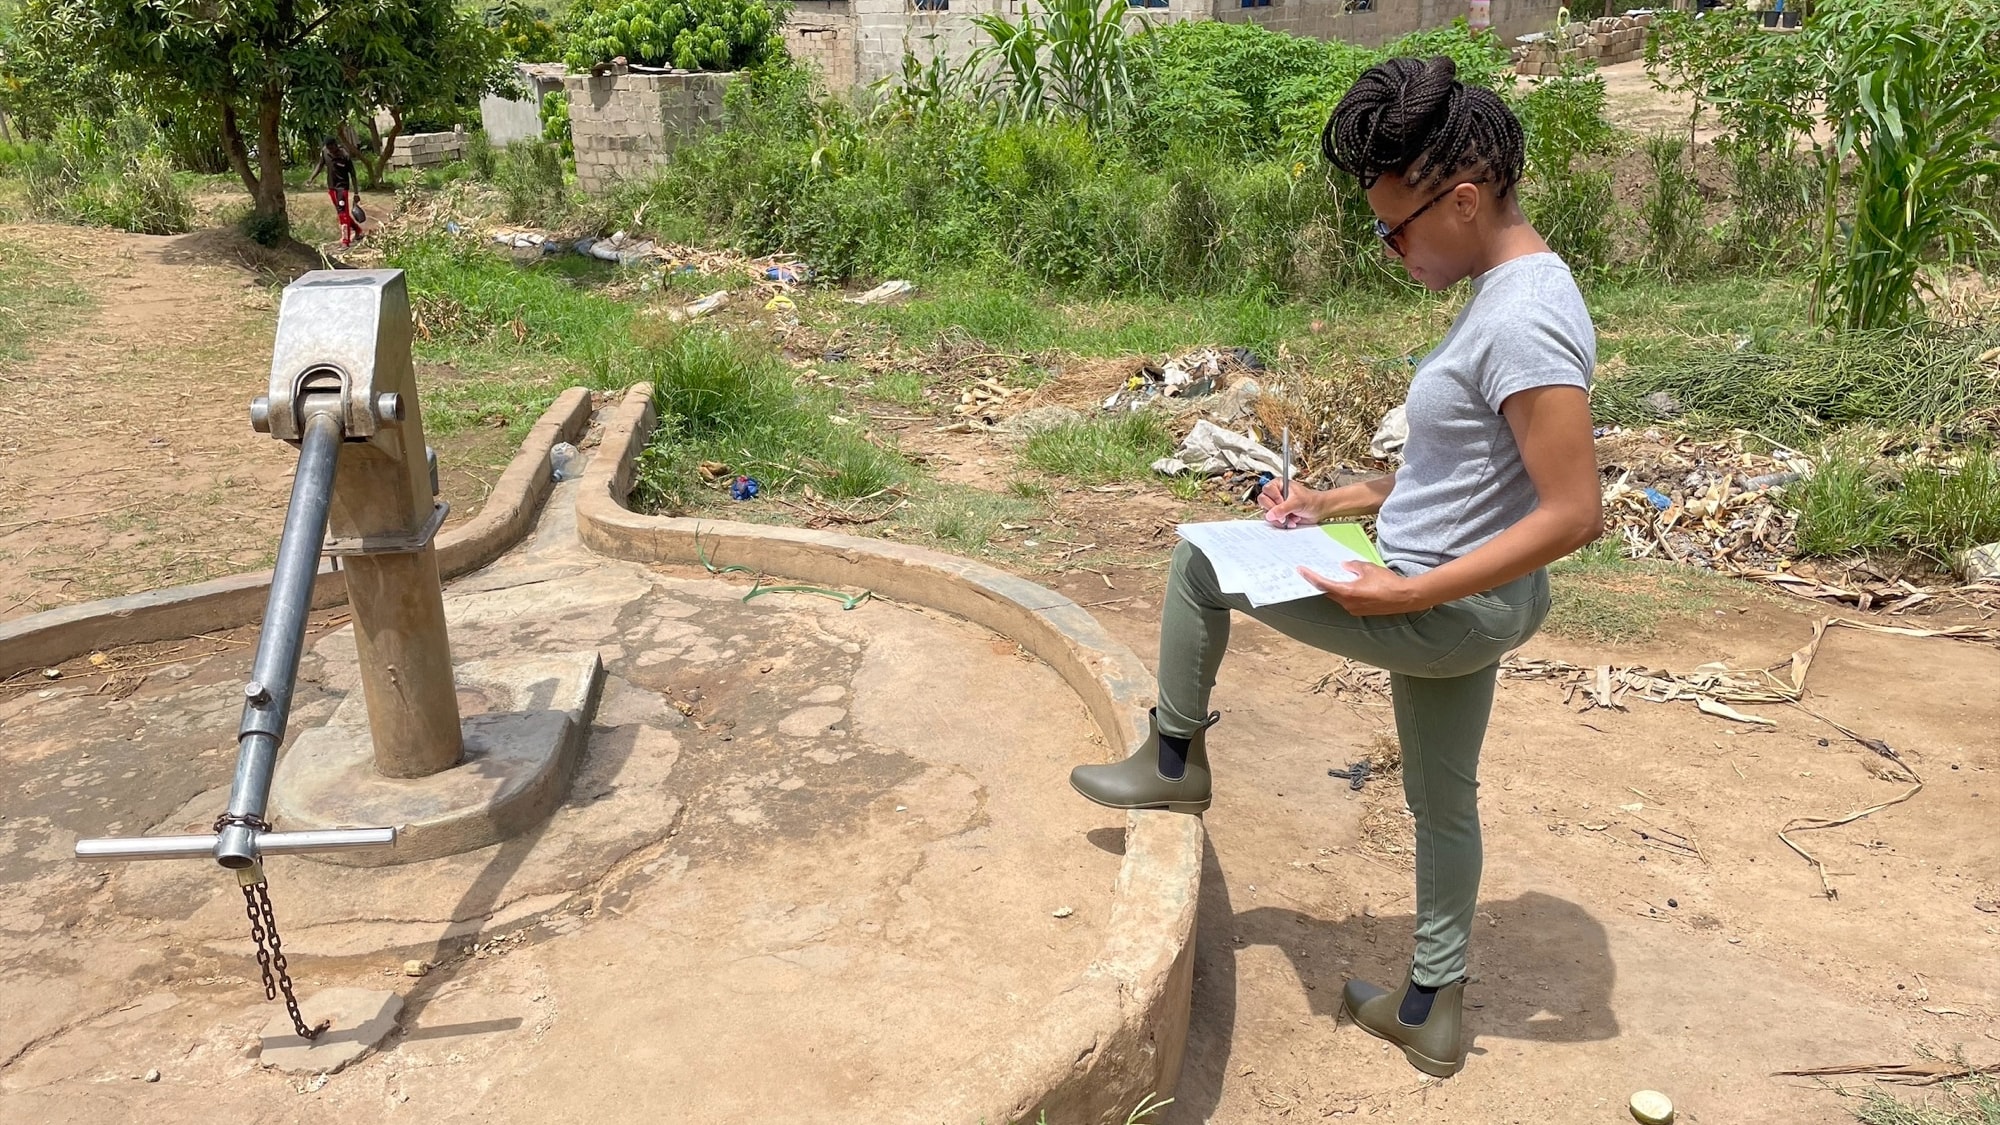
[
  {"x": 1606, "y": 40},
  {"x": 1385, "y": 20},
  {"x": 885, "y": 29},
  {"x": 422, "y": 150},
  {"x": 822, "y": 32},
  {"x": 507, "y": 120},
  {"x": 882, "y": 30},
  {"x": 625, "y": 125}
]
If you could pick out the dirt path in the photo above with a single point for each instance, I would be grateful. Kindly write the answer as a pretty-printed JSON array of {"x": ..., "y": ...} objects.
[
  {"x": 1605, "y": 961},
  {"x": 127, "y": 461}
]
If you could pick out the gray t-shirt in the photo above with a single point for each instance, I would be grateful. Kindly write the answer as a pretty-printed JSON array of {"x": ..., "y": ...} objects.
[{"x": 1462, "y": 481}]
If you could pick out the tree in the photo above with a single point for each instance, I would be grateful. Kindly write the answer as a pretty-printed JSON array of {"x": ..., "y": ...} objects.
[
  {"x": 426, "y": 61},
  {"x": 247, "y": 62}
]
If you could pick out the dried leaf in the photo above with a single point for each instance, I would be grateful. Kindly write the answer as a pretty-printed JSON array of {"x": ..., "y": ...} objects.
[{"x": 1724, "y": 711}]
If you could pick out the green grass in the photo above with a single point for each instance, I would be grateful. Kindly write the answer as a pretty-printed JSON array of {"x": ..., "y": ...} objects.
[
  {"x": 1856, "y": 503},
  {"x": 1649, "y": 321},
  {"x": 964, "y": 308},
  {"x": 1027, "y": 489},
  {"x": 966, "y": 519},
  {"x": 1973, "y": 1101},
  {"x": 1101, "y": 449},
  {"x": 722, "y": 400},
  {"x": 903, "y": 387},
  {"x": 1599, "y": 595},
  {"x": 1798, "y": 390},
  {"x": 515, "y": 335},
  {"x": 36, "y": 299}
]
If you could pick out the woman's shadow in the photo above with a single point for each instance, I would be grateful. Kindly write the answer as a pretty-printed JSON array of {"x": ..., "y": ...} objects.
[{"x": 1542, "y": 969}]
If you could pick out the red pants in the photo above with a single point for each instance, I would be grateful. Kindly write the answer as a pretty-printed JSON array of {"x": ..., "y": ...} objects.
[{"x": 349, "y": 229}]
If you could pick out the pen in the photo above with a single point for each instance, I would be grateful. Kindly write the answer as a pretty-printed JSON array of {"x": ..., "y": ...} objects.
[{"x": 1285, "y": 481}]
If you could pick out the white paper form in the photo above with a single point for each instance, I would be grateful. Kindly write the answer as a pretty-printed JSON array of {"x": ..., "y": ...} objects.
[{"x": 1262, "y": 562}]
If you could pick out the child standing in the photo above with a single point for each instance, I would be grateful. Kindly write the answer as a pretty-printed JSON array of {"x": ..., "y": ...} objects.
[{"x": 339, "y": 169}]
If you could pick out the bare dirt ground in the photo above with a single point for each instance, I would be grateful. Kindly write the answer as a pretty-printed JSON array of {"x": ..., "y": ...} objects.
[
  {"x": 127, "y": 461},
  {"x": 1609, "y": 958}
]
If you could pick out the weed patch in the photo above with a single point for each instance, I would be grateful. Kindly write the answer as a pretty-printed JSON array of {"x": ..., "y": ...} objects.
[
  {"x": 1973, "y": 1101},
  {"x": 1100, "y": 450},
  {"x": 722, "y": 401},
  {"x": 1599, "y": 595},
  {"x": 36, "y": 298},
  {"x": 1920, "y": 378},
  {"x": 1856, "y": 503}
]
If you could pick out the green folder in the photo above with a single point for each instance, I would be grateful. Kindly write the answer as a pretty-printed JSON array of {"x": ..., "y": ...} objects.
[{"x": 1350, "y": 536}]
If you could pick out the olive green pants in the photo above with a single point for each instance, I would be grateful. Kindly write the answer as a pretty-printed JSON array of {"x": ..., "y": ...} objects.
[{"x": 1442, "y": 663}]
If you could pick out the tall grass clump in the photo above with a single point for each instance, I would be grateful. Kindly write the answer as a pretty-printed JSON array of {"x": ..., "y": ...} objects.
[
  {"x": 1913, "y": 89},
  {"x": 1123, "y": 447},
  {"x": 1856, "y": 503},
  {"x": 1918, "y": 377},
  {"x": 114, "y": 175},
  {"x": 722, "y": 400},
  {"x": 530, "y": 177},
  {"x": 1672, "y": 209},
  {"x": 480, "y": 155}
]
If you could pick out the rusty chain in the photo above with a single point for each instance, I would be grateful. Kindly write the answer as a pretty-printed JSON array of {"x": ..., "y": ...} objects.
[{"x": 264, "y": 930}]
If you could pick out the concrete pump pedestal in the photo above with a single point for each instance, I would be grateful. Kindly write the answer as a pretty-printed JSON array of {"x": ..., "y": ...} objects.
[{"x": 524, "y": 721}]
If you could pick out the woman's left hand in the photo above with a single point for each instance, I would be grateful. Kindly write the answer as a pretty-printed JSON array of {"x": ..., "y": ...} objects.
[{"x": 1374, "y": 590}]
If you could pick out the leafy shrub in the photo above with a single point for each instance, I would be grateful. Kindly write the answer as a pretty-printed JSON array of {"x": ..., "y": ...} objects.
[
  {"x": 555, "y": 122},
  {"x": 1568, "y": 190},
  {"x": 265, "y": 230},
  {"x": 1672, "y": 208},
  {"x": 530, "y": 177},
  {"x": 525, "y": 29},
  {"x": 480, "y": 155},
  {"x": 1773, "y": 198},
  {"x": 1240, "y": 88},
  {"x": 691, "y": 34},
  {"x": 113, "y": 176}
]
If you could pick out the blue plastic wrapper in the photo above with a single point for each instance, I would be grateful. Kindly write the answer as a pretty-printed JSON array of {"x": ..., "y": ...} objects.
[
  {"x": 744, "y": 488},
  {"x": 1660, "y": 499}
]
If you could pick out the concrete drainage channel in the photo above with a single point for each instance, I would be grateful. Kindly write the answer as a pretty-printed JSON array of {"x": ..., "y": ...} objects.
[
  {"x": 1117, "y": 1034},
  {"x": 1084, "y": 1034}
]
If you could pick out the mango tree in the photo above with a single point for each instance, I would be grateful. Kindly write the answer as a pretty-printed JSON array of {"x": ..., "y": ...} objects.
[{"x": 251, "y": 63}]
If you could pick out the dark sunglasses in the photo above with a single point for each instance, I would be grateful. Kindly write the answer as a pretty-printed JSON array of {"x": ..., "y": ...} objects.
[{"x": 1391, "y": 236}]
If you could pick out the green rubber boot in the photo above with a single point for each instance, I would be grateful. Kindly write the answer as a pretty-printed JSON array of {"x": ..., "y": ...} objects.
[
  {"x": 1432, "y": 1046},
  {"x": 1135, "y": 783}
]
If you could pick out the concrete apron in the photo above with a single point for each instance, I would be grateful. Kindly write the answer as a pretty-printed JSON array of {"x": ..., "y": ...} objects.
[{"x": 809, "y": 857}]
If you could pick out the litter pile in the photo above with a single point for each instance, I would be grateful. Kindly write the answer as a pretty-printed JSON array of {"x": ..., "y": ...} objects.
[
  {"x": 627, "y": 249},
  {"x": 1706, "y": 504},
  {"x": 1198, "y": 373},
  {"x": 985, "y": 399}
]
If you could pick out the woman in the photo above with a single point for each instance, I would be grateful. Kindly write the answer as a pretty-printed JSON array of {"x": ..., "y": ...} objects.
[
  {"x": 333, "y": 160},
  {"x": 1499, "y": 479}
]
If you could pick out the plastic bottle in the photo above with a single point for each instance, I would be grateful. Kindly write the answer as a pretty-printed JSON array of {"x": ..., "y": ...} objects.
[{"x": 562, "y": 461}]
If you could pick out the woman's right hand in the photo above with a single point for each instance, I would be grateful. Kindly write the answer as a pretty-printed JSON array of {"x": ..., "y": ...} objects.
[{"x": 1302, "y": 510}]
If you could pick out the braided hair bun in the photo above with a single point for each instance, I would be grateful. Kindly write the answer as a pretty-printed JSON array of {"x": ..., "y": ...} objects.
[{"x": 1413, "y": 118}]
